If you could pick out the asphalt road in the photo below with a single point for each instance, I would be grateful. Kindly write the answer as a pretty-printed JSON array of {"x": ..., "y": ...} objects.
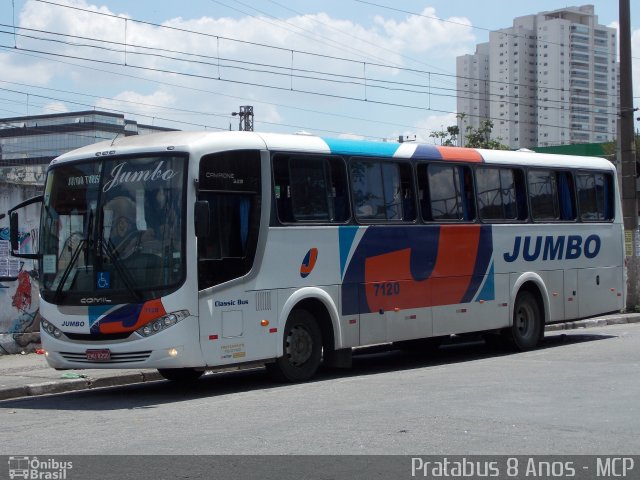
[{"x": 578, "y": 394}]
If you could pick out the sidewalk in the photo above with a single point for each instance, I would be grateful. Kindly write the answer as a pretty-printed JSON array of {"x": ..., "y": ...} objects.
[{"x": 29, "y": 375}]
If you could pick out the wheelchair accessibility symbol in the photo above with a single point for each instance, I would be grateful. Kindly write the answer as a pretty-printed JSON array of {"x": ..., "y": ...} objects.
[{"x": 104, "y": 280}]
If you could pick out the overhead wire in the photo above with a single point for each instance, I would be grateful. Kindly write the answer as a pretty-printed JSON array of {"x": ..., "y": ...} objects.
[
  {"x": 275, "y": 47},
  {"x": 475, "y": 27},
  {"x": 274, "y": 87},
  {"x": 286, "y": 71},
  {"x": 353, "y": 79}
]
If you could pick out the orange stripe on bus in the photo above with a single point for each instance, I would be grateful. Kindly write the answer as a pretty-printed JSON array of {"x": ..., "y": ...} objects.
[
  {"x": 457, "y": 153},
  {"x": 449, "y": 280}
]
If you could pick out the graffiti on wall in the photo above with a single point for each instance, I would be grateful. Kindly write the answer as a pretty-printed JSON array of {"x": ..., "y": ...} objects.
[{"x": 19, "y": 319}]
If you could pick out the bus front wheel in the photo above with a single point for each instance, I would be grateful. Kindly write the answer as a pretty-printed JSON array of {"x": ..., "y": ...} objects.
[
  {"x": 302, "y": 349},
  {"x": 528, "y": 325}
]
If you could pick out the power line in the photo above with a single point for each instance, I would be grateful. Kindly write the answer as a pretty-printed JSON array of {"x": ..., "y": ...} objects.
[
  {"x": 358, "y": 81},
  {"x": 433, "y": 17},
  {"x": 185, "y": 87},
  {"x": 309, "y": 92},
  {"x": 330, "y": 77},
  {"x": 339, "y": 31},
  {"x": 263, "y": 45}
]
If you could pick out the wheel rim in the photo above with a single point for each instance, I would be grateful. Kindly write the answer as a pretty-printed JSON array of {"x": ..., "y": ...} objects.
[
  {"x": 524, "y": 321},
  {"x": 299, "y": 345}
]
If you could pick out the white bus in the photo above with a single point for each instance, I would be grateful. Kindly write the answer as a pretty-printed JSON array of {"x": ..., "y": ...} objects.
[{"x": 187, "y": 251}]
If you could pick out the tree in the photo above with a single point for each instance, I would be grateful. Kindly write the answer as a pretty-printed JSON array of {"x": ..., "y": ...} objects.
[
  {"x": 476, "y": 137},
  {"x": 439, "y": 135},
  {"x": 481, "y": 137},
  {"x": 446, "y": 137}
]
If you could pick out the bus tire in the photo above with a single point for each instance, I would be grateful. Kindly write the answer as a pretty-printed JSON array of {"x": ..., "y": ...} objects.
[
  {"x": 528, "y": 323},
  {"x": 302, "y": 349},
  {"x": 181, "y": 375}
]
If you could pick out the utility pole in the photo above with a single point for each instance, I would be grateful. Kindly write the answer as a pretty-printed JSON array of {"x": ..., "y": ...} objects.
[
  {"x": 246, "y": 118},
  {"x": 628, "y": 154}
]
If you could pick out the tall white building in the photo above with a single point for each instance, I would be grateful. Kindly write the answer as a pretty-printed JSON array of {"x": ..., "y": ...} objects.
[{"x": 550, "y": 79}]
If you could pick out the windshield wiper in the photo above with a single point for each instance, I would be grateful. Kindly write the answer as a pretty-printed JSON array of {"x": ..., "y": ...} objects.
[
  {"x": 74, "y": 257},
  {"x": 113, "y": 255},
  {"x": 86, "y": 238},
  {"x": 67, "y": 271}
]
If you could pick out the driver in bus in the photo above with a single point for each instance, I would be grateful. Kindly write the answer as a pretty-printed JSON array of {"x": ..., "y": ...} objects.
[{"x": 124, "y": 236}]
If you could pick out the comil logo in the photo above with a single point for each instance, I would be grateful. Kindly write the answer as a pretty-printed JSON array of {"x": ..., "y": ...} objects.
[{"x": 38, "y": 469}]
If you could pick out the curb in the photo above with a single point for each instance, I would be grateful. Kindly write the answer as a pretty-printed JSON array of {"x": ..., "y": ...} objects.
[
  {"x": 595, "y": 322},
  {"x": 47, "y": 388}
]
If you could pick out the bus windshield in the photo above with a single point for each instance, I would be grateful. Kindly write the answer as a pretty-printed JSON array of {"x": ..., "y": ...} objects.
[{"x": 112, "y": 230}]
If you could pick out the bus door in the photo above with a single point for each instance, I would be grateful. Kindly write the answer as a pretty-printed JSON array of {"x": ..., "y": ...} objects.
[{"x": 229, "y": 200}]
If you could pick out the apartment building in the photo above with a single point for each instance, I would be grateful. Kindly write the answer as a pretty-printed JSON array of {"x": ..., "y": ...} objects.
[{"x": 550, "y": 79}]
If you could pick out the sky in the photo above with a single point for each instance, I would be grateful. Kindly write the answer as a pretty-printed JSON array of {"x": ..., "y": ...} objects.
[{"x": 342, "y": 68}]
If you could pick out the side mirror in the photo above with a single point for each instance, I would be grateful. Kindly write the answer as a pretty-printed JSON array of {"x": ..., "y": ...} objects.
[
  {"x": 14, "y": 229},
  {"x": 201, "y": 218},
  {"x": 13, "y": 232}
]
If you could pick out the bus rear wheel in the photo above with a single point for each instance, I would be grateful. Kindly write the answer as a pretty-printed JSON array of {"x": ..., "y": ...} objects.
[
  {"x": 528, "y": 327},
  {"x": 302, "y": 349},
  {"x": 181, "y": 375}
]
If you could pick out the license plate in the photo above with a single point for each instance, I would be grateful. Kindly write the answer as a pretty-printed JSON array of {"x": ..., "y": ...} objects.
[{"x": 103, "y": 355}]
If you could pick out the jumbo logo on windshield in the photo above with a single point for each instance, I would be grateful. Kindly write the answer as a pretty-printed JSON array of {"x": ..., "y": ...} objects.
[
  {"x": 119, "y": 175},
  {"x": 549, "y": 247}
]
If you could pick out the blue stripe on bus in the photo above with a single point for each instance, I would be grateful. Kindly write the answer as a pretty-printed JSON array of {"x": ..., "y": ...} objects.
[
  {"x": 485, "y": 252},
  {"x": 358, "y": 147},
  {"x": 429, "y": 152},
  {"x": 95, "y": 313},
  {"x": 488, "y": 291},
  {"x": 346, "y": 235}
]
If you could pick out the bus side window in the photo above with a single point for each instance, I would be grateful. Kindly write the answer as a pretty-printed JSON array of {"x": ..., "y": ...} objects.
[
  {"x": 382, "y": 190},
  {"x": 543, "y": 195},
  {"x": 501, "y": 194},
  {"x": 450, "y": 190},
  {"x": 310, "y": 188},
  {"x": 594, "y": 194},
  {"x": 309, "y": 198},
  {"x": 230, "y": 183}
]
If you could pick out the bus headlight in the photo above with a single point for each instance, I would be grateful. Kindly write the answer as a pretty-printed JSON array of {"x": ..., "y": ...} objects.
[
  {"x": 158, "y": 324},
  {"x": 46, "y": 326}
]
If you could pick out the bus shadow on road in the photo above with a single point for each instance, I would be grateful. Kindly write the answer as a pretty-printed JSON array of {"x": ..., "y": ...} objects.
[
  {"x": 366, "y": 361},
  {"x": 460, "y": 349}
]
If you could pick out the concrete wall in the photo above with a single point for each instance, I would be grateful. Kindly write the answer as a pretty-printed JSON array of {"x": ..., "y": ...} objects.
[
  {"x": 19, "y": 328},
  {"x": 19, "y": 320}
]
